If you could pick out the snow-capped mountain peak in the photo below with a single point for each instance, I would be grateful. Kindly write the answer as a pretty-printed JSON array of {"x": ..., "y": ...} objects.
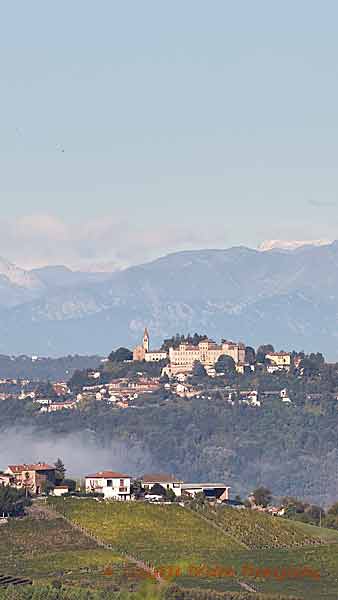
[{"x": 290, "y": 244}]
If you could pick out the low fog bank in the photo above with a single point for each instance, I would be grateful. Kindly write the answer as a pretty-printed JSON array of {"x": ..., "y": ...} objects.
[{"x": 80, "y": 452}]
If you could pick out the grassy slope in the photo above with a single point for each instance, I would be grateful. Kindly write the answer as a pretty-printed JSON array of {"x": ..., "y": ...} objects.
[
  {"x": 167, "y": 535},
  {"x": 258, "y": 531},
  {"x": 322, "y": 559},
  {"x": 161, "y": 535},
  {"x": 49, "y": 549}
]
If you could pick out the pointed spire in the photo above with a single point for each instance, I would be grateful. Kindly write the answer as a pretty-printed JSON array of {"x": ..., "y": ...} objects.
[{"x": 146, "y": 340}]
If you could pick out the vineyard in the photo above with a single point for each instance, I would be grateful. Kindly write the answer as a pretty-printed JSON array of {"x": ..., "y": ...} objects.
[
  {"x": 259, "y": 531},
  {"x": 162, "y": 535},
  {"x": 165, "y": 535},
  {"x": 46, "y": 550}
]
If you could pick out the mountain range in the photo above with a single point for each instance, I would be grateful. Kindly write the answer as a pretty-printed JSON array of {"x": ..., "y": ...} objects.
[{"x": 285, "y": 297}]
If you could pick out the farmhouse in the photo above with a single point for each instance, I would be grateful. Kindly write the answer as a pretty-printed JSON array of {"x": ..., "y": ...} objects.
[
  {"x": 168, "y": 482},
  {"x": 31, "y": 477},
  {"x": 114, "y": 486}
]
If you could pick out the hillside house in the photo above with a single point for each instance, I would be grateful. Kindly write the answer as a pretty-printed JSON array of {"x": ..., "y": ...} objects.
[
  {"x": 114, "y": 486},
  {"x": 212, "y": 491},
  {"x": 31, "y": 477},
  {"x": 279, "y": 361},
  {"x": 168, "y": 482}
]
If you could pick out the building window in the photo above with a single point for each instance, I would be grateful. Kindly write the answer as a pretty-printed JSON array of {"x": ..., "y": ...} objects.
[
  {"x": 121, "y": 482},
  {"x": 109, "y": 483}
]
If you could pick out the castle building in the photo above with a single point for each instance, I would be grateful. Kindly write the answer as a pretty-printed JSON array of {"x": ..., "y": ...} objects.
[
  {"x": 182, "y": 359},
  {"x": 207, "y": 352}
]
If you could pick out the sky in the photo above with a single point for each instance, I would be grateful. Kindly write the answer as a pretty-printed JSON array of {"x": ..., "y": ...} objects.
[{"x": 132, "y": 129}]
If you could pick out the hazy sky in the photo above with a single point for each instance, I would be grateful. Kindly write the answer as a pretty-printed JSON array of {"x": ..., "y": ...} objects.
[{"x": 130, "y": 129}]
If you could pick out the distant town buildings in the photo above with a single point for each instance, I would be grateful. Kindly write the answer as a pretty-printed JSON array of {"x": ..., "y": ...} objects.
[{"x": 279, "y": 361}]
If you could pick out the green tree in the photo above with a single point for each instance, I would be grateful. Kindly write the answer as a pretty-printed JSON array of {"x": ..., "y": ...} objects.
[
  {"x": 136, "y": 489},
  {"x": 250, "y": 355},
  {"x": 71, "y": 484},
  {"x": 60, "y": 471},
  {"x": 13, "y": 502},
  {"x": 262, "y": 496},
  {"x": 170, "y": 495},
  {"x": 198, "y": 369},
  {"x": 121, "y": 355},
  {"x": 225, "y": 364},
  {"x": 262, "y": 351},
  {"x": 158, "y": 490}
]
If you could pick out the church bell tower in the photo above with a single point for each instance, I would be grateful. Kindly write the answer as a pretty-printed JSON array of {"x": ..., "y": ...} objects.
[{"x": 146, "y": 340}]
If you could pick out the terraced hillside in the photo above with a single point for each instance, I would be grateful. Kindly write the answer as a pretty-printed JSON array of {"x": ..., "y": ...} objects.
[
  {"x": 259, "y": 531},
  {"x": 160, "y": 534},
  {"x": 171, "y": 535},
  {"x": 48, "y": 550}
]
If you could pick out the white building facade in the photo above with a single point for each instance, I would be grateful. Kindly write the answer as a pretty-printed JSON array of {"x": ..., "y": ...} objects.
[{"x": 114, "y": 486}]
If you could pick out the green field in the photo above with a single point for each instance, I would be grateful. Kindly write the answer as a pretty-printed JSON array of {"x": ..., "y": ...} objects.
[
  {"x": 48, "y": 550},
  {"x": 168, "y": 535}
]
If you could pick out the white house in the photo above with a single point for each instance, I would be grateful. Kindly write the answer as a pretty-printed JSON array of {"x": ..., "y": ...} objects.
[
  {"x": 168, "y": 482},
  {"x": 114, "y": 486}
]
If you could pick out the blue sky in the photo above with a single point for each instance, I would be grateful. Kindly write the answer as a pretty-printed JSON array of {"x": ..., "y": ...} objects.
[{"x": 131, "y": 129}]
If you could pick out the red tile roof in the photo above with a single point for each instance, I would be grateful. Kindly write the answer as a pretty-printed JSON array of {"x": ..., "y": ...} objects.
[
  {"x": 37, "y": 467},
  {"x": 108, "y": 475},
  {"x": 159, "y": 478}
]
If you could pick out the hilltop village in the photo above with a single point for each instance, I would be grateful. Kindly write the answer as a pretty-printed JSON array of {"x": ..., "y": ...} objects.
[{"x": 184, "y": 367}]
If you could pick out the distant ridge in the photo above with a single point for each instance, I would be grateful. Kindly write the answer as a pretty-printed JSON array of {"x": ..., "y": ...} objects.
[{"x": 287, "y": 298}]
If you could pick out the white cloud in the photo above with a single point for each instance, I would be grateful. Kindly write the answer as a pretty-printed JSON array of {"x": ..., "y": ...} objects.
[{"x": 39, "y": 240}]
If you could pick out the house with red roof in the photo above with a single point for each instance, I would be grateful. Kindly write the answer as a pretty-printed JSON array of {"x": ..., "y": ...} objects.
[
  {"x": 32, "y": 478},
  {"x": 113, "y": 485},
  {"x": 168, "y": 482}
]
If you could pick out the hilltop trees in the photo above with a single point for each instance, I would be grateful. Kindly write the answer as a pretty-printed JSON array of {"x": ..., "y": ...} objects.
[
  {"x": 121, "y": 355},
  {"x": 250, "y": 355},
  {"x": 180, "y": 338},
  {"x": 262, "y": 351}
]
